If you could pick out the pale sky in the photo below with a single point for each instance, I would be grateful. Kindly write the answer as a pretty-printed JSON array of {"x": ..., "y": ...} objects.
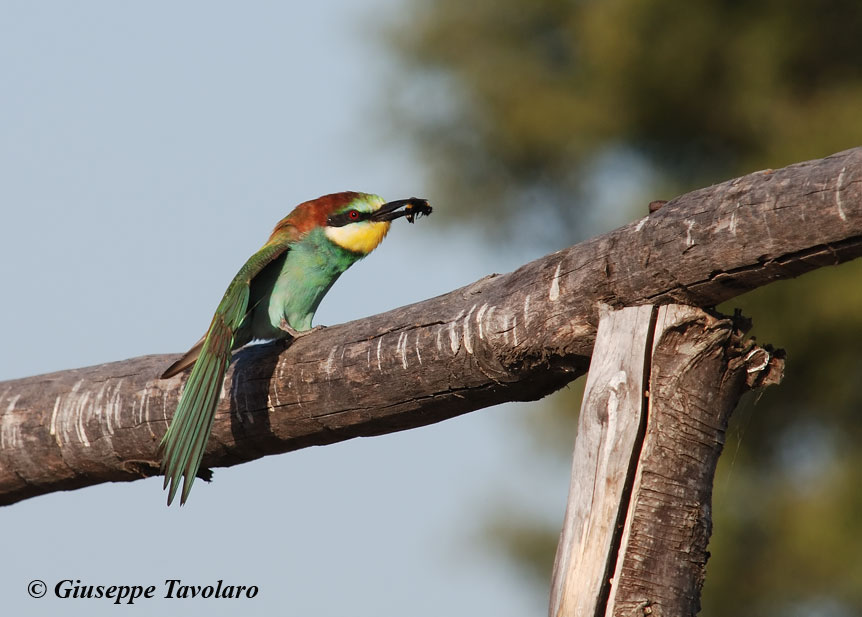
[{"x": 147, "y": 150}]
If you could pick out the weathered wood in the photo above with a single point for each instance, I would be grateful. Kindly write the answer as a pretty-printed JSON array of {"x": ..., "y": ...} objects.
[
  {"x": 513, "y": 337},
  {"x": 700, "y": 368},
  {"x": 638, "y": 518},
  {"x": 607, "y": 447}
]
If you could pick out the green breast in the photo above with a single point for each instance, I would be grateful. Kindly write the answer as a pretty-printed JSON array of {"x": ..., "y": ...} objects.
[{"x": 292, "y": 286}]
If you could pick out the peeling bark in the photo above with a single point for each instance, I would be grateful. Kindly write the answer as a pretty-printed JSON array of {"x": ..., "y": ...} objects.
[
  {"x": 701, "y": 366},
  {"x": 651, "y": 429}
]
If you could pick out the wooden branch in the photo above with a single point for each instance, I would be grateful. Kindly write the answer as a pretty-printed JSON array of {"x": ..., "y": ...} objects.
[
  {"x": 518, "y": 336},
  {"x": 608, "y": 442},
  {"x": 638, "y": 517},
  {"x": 700, "y": 368}
]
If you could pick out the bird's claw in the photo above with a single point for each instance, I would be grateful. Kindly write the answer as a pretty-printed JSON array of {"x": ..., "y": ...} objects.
[{"x": 297, "y": 333}]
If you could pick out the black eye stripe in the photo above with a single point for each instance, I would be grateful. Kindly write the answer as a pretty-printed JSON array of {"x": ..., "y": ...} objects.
[{"x": 343, "y": 218}]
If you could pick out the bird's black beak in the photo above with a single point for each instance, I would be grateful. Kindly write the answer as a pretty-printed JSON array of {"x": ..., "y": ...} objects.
[{"x": 410, "y": 208}]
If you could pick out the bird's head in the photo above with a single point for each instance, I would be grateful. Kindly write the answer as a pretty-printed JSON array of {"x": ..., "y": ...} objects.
[
  {"x": 357, "y": 222},
  {"x": 361, "y": 224}
]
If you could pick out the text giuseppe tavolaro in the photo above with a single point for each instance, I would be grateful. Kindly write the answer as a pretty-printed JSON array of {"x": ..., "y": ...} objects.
[{"x": 171, "y": 589}]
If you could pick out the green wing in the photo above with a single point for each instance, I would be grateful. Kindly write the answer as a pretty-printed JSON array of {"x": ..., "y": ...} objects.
[{"x": 183, "y": 445}]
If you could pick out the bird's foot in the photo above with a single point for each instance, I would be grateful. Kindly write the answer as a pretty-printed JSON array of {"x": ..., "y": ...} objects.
[{"x": 297, "y": 333}]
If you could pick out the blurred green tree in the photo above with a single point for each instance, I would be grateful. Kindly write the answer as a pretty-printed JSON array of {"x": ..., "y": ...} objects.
[{"x": 543, "y": 120}]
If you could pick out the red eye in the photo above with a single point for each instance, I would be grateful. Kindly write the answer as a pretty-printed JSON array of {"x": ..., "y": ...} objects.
[{"x": 353, "y": 215}]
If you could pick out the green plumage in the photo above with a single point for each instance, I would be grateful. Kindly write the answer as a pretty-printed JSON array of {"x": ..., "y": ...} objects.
[
  {"x": 274, "y": 295},
  {"x": 280, "y": 285}
]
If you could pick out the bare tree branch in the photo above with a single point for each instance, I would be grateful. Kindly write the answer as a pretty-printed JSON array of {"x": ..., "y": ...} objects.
[
  {"x": 662, "y": 386},
  {"x": 508, "y": 337}
]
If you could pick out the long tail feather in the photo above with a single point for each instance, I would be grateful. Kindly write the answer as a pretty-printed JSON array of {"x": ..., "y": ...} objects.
[
  {"x": 183, "y": 445},
  {"x": 185, "y": 441},
  {"x": 186, "y": 361}
]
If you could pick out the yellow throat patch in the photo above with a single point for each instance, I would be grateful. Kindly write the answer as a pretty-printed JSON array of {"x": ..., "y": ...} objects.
[{"x": 359, "y": 238}]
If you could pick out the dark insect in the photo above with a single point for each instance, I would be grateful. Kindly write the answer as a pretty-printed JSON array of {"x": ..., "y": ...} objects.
[{"x": 417, "y": 208}]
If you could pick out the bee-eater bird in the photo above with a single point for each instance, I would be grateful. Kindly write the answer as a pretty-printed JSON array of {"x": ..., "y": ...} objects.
[{"x": 274, "y": 295}]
